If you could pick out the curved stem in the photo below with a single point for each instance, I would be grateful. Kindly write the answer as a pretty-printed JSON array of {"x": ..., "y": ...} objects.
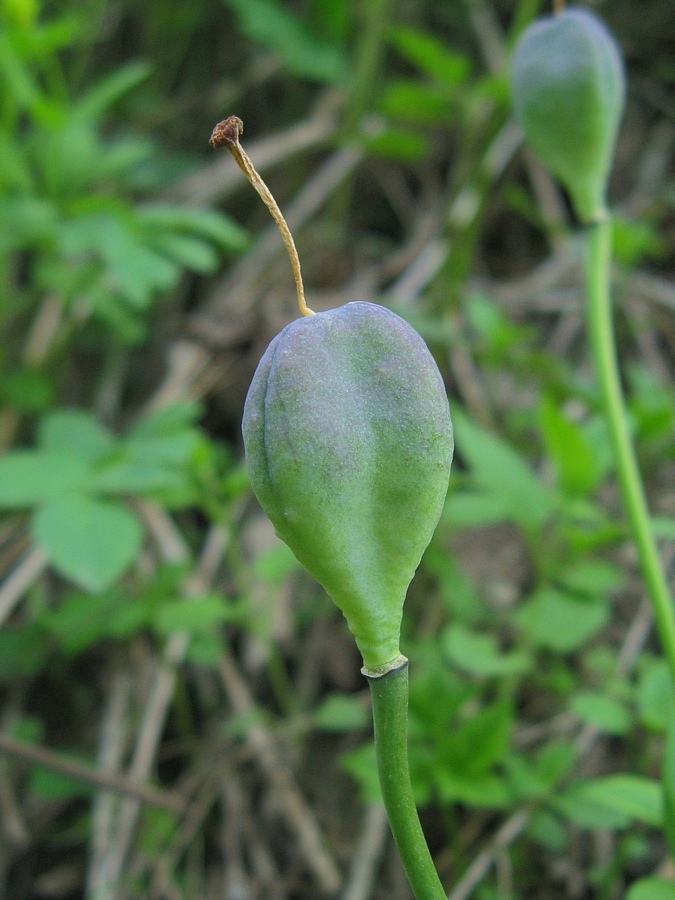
[
  {"x": 604, "y": 351},
  {"x": 390, "y": 718}
]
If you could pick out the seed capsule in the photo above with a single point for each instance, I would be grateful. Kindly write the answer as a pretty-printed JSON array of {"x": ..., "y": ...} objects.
[
  {"x": 348, "y": 444},
  {"x": 568, "y": 89}
]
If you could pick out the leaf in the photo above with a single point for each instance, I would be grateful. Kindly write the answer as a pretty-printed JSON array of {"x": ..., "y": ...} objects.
[
  {"x": 578, "y": 467},
  {"x": 340, "y": 712},
  {"x": 560, "y": 621},
  {"x": 14, "y": 169},
  {"x": 664, "y": 527},
  {"x": 24, "y": 651},
  {"x": 483, "y": 789},
  {"x": 205, "y": 223},
  {"x": 471, "y": 509},
  {"x": 89, "y": 541},
  {"x": 76, "y": 622},
  {"x": 18, "y": 81},
  {"x": 104, "y": 93},
  {"x": 155, "y": 457},
  {"x": 175, "y": 417},
  {"x": 28, "y": 477},
  {"x": 415, "y": 102},
  {"x": 591, "y": 577},
  {"x": 190, "y": 252},
  {"x": 478, "y": 653},
  {"x": 497, "y": 469},
  {"x": 547, "y": 830},
  {"x": 270, "y": 23},
  {"x": 651, "y": 889},
  {"x": 655, "y": 696},
  {"x": 28, "y": 390},
  {"x": 395, "y": 143},
  {"x": 25, "y": 222},
  {"x": 668, "y": 780},
  {"x": 76, "y": 432},
  {"x": 112, "y": 237},
  {"x": 612, "y": 802},
  {"x": 473, "y": 745},
  {"x": 51, "y": 785},
  {"x": 431, "y": 55},
  {"x": 193, "y": 615},
  {"x": 361, "y": 764},
  {"x": 275, "y": 564},
  {"x": 602, "y": 710}
]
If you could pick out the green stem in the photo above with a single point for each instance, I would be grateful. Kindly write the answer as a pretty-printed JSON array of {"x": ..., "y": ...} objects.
[
  {"x": 604, "y": 351},
  {"x": 390, "y": 718}
]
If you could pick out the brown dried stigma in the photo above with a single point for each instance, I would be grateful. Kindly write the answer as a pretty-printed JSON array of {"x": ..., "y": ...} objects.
[{"x": 226, "y": 134}]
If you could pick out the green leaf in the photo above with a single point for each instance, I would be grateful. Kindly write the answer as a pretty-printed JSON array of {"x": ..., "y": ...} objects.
[
  {"x": 28, "y": 477},
  {"x": 275, "y": 564},
  {"x": 190, "y": 252},
  {"x": 612, "y": 802},
  {"x": 77, "y": 622},
  {"x": 664, "y": 527},
  {"x": 651, "y": 889},
  {"x": 655, "y": 695},
  {"x": 668, "y": 780},
  {"x": 113, "y": 238},
  {"x": 104, "y": 93},
  {"x": 166, "y": 420},
  {"x": 28, "y": 390},
  {"x": 479, "y": 654},
  {"x": 18, "y": 81},
  {"x": 361, "y": 764},
  {"x": 340, "y": 712},
  {"x": 476, "y": 743},
  {"x": 26, "y": 222},
  {"x": 194, "y": 614},
  {"x": 578, "y": 467},
  {"x": 483, "y": 789},
  {"x": 591, "y": 577},
  {"x": 471, "y": 509},
  {"x": 272, "y": 24},
  {"x": 547, "y": 830},
  {"x": 395, "y": 143},
  {"x": 636, "y": 240},
  {"x": 412, "y": 101},
  {"x": 54, "y": 786},
  {"x": 560, "y": 621},
  {"x": 76, "y": 432},
  {"x": 602, "y": 710},
  {"x": 155, "y": 458},
  {"x": 205, "y": 223},
  {"x": 24, "y": 651},
  {"x": 431, "y": 55},
  {"x": 14, "y": 169},
  {"x": 497, "y": 469},
  {"x": 89, "y": 541}
]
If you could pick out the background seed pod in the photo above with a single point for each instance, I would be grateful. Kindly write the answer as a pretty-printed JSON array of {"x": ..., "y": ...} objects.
[{"x": 568, "y": 89}]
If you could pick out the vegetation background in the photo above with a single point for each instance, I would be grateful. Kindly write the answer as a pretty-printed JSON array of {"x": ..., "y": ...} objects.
[{"x": 182, "y": 710}]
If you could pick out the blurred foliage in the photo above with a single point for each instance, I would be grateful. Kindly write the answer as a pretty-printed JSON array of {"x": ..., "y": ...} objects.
[{"x": 106, "y": 106}]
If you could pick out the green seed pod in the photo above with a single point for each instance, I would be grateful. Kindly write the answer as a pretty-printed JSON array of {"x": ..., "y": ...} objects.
[
  {"x": 348, "y": 444},
  {"x": 568, "y": 90}
]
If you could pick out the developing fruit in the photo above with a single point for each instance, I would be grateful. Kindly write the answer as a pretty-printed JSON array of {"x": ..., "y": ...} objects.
[
  {"x": 348, "y": 444},
  {"x": 568, "y": 90}
]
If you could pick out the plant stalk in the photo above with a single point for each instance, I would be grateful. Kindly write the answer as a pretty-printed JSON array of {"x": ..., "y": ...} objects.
[
  {"x": 390, "y": 718},
  {"x": 601, "y": 332}
]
